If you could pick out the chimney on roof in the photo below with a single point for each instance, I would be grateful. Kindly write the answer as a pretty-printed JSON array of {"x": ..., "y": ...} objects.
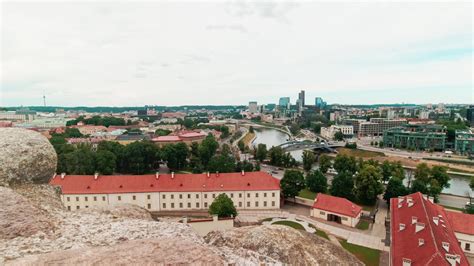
[
  {"x": 96, "y": 175},
  {"x": 54, "y": 175},
  {"x": 172, "y": 175},
  {"x": 414, "y": 220},
  {"x": 421, "y": 242},
  {"x": 63, "y": 175},
  {"x": 157, "y": 175},
  {"x": 419, "y": 227},
  {"x": 243, "y": 172},
  {"x": 217, "y": 173},
  {"x": 208, "y": 174},
  {"x": 406, "y": 262}
]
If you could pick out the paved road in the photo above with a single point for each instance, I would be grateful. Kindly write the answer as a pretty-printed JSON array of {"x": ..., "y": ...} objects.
[{"x": 453, "y": 201}]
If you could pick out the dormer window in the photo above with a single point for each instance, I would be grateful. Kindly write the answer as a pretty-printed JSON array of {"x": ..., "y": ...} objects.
[
  {"x": 419, "y": 227},
  {"x": 421, "y": 242},
  {"x": 414, "y": 220},
  {"x": 436, "y": 220},
  {"x": 445, "y": 246},
  {"x": 402, "y": 227}
]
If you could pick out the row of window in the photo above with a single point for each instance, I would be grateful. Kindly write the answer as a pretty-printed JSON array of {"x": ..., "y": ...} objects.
[
  {"x": 172, "y": 205},
  {"x": 172, "y": 196},
  {"x": 214, "y": 195},
  {"x": 467, "y": 246}
]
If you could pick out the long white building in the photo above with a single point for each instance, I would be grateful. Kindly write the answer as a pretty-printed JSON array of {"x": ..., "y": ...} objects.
[{"x": 169, "y": 192}]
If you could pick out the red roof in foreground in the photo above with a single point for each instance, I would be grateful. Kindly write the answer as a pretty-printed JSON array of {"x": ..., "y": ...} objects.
[
  {"x": 336, "y": 205},
  {"x": 433, "y": 244},
  {"x": 86, "y": 184},
  {"x": 461, "y": 222}
]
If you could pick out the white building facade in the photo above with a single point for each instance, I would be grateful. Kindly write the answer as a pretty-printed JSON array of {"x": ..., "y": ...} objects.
[
  {"x": 170, "y": 192},
  {"x": 328, "y": 132}
]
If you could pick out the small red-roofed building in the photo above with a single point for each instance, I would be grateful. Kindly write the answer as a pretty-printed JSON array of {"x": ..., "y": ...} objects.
[
  {"x": 463, "y": 227},
  {"x": 421, "y": 234},
  {"x": 336, "y": 209},
  {"x": 187, "y": 137},
  {"x": 170, "y": 192}
]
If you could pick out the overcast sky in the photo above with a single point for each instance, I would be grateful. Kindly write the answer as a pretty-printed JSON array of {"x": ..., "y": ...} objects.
[{"x": 181, "y": 53}]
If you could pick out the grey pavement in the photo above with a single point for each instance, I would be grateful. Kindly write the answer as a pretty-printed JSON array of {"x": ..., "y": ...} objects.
[
  {"x": 291, "y": 218},
  {"x": 353, "y": 236},
  {"x": 453, "y": 201}
]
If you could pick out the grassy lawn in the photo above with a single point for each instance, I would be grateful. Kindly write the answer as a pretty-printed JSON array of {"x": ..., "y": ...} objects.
[
  {"x": 290, "y": 224},
  {"x": 368, "y": 256},
  {"x": 319, "y": 232},
  {"x": 267, "y": 219},
  {"x": 305, "y": 193},
  {"x": 363, "y": 225},
  {"x": 359, "y": 153}
]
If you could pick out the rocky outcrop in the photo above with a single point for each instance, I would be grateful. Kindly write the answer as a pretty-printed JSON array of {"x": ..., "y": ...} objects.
[
  {"x": 121, "y": 211},
  {"x": 283, "y": 244},
  {"x": 25, "y": 155},
  {"x": 143, "y": 252},
  {"x": 20, "y": 218}
]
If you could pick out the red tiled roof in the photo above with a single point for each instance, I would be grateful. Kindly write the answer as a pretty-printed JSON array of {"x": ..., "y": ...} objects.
[
  {"x": 193, "y": 135},
  {"x": 86, "y": 184},
  {"x": 405, "y": 243},
  {"x": 336, "y": 205},
  {"x": 166, "y": 139},
  {"x": 461, "y": 222}
]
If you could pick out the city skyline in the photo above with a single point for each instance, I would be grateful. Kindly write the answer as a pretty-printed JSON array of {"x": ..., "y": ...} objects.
[{"x": 134, "y": 54}]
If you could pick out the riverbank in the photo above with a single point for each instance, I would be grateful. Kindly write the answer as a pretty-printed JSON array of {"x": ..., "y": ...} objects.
[{"x": 248, "y": 139}]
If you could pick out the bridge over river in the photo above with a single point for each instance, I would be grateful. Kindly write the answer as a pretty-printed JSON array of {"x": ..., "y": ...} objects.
[{"x": 309, "y": 145}]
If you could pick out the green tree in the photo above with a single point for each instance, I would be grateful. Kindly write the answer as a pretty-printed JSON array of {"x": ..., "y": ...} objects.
[
  {"x": 294, "y": 128},
  {"x": 288, "y": 160},
  {"x": 222, "y": 206},
  {"x": 338, "y": 136},
  {"x": 207, "y": 149},
  {"x": 162, "y": 132},
  {"x": 72, "y": 133},
  {"x": 140, "y": 157},
  {"x": 324, "y": 163},
  {"x": 368, "y": 184},
  {"x": 344, "y": 163},
  {"x": 308, "y": 160},
  {"x": 251, "y": 130},
  {"x": 430, "y": 181},
  {"x": 224, "y": 162},
  {"x": 317, "y": 182},
  {"x": 81, "y": 162},
  {"x": 343, "y": 185},
  {"x": 276, "y": 156},
  {"x": 241, "y": 145},
  {"x": 105, "y": 162},
  {"x": 117, "y": 149},
  {"x": 439, "y": 181},
  {"x": 292, "y": 183},
  {"x": 261, "y": 152},
  {"x": 176, "y": 155},
  {"x": 395, "y": 188}
]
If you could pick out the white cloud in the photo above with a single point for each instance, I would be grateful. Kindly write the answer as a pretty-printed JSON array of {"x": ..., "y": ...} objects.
[{"x": 125, "y": 53}]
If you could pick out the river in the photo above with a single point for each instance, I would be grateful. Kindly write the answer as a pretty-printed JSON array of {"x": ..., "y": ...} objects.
[{"x": 459, "y": 185}]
